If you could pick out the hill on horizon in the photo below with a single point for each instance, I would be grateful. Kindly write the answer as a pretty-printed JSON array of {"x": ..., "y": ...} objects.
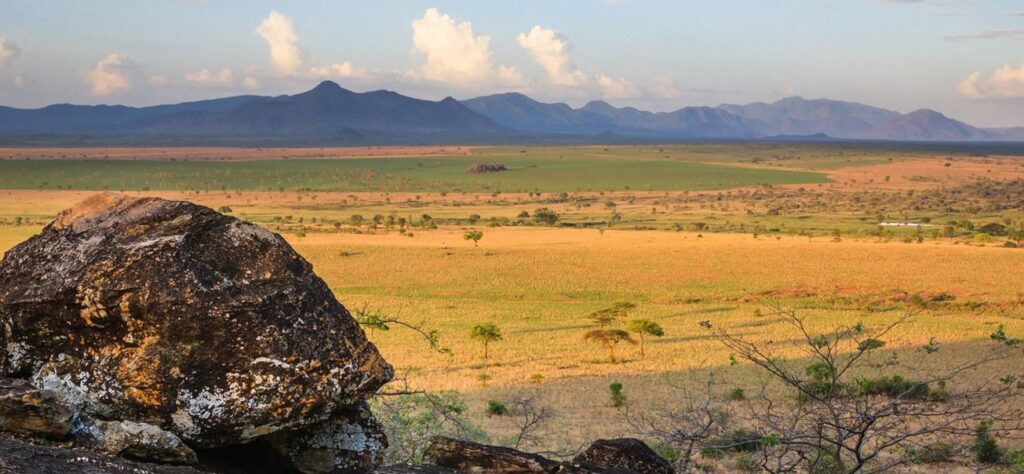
[{"x": 329, "y": 114}]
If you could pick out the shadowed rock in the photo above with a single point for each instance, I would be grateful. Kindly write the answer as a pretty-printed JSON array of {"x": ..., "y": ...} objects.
[
  {"x": 23, "y": 458},
  {"x": 623, "y": 455},
  {"x": 473, "y": 457},
  {"x": 171, "y": 314}
]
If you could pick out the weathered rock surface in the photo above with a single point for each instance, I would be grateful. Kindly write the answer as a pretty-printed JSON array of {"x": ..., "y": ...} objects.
[
  {"x": 615, "y": 456},
  {"x": 468, "y": 456},
  {"x": 625, "y": 455},
  {"x": 22, "y": 458},
  {"x": 27, "y": 411},
  {"x": 348, "y": 442},
  {"x": 135, "y": 441},
  {"x": 171, "y": 314}
]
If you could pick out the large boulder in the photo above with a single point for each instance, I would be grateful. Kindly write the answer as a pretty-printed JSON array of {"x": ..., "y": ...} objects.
[
  {"x": 624, "y": 455},
  {"x": 171, "y": 314},
  {"x": 28, "y": 411}
]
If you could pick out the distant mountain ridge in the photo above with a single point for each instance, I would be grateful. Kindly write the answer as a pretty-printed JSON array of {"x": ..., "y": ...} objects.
[{"x": 331, "y": 115}]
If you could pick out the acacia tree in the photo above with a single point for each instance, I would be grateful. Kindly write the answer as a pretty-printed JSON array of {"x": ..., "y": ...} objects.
[
  {"x": 486, "y": 334},
  {"x": 609, "y": 338},
  {"x": 644, "y": 327},
  {"x": 475, "y": 236},
  {"x": 829, "y": 417},
  {"x": 605, "y": 317}
]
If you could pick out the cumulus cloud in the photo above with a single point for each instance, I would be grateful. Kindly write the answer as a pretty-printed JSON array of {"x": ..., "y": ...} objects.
[
  {"x": 279, "y": 32},
  {"x": 552, "y": 51},
  {"x": 251, "y": 83},
  {"x": 8, "y": 51},
  {"x": 111, "y": 74},
  {"x": 1007, "y": 82},
  {"x": 454, "y": 52},
  {"x": 617, "y": 88},
  {"x": 343, "y": 70},
  {"x": 664, "y": 87},
  {"x": 224, "y": 78}
]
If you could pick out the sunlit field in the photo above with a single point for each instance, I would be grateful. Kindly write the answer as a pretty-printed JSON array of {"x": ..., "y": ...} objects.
[{"x": 683, "y": 254}]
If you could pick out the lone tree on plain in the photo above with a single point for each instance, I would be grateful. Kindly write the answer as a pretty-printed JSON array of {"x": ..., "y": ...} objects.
[
  {"x": 609, "y": 338},
  {"x": 486, "y": 334},
  {"x": 475, "y": 236},
  {"x": 607, "y": 316},
  {"x": 644, "y": 327}
]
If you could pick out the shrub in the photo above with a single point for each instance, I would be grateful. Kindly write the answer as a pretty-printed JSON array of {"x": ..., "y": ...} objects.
[
  {"x": 741, "y": 441},
  {"x": 894, "y": 386},
  {"x": 932, "y": 453},
  {"x": 744, "y": 462},
  {"x": 736, "y": 395},
  {"x": 1014, "y": 460},
  {"x": 224, "y": 209},
  {"x": 496, "y": 408},
  {"x": 985, "y": 448},
  {"x": 537, "y": 379},
  {"x": 617, "y": 397}
]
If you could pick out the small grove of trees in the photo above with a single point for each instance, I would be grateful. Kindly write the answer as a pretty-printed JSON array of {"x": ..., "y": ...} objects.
[
  {"x": 545, "y": 216},
  {"x": 475, "y": 236},
  {"x": 485, "y": 334},
  {"x": 609, "y": 337}
]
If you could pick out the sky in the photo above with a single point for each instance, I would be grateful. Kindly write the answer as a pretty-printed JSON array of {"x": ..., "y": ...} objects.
[{"x": 964, "y": 58}]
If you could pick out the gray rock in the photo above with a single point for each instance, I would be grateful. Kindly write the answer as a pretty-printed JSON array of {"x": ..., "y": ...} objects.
[
  {"x": 474, "y": 457},
  {"x": 625, "y": 455},
  {"x": 27, "y": 411},
  {"x": 171, "y": 314},
  {"x": 346, "y": 443},
  {"x": 133, "y": 440}
]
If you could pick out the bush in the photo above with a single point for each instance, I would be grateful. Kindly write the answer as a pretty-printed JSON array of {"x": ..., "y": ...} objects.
[
  {"x": 932, "y": 453},
  {"x": 496, "y": 408},
  {"x": 985, "y": 448},
  {"x": 224, "y": 209},
  {"x": 741, "y": 441},
  {"x": 1014, "y": 461},
  {"x": 736, "y": 395},
  {"x": 744, "y": 462},
  {"x": 617, "y": 397},
  {"x": 894, "y": 386}
]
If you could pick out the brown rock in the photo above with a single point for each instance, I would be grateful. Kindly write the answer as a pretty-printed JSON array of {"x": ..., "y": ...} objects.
[
  {"x": 171, "y": 314},
  {"x": 25, "y": 410},
  {"x": 623, "y": 455},
  {"x": 468, "y": 456},
  {"x": 22, "y": 458}
]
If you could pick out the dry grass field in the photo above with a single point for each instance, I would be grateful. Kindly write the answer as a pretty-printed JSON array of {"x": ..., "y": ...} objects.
[{"x": 539, "y": 283}]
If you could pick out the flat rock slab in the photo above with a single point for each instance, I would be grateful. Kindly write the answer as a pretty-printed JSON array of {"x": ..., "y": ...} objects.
[{"x": 23, "y": 458}]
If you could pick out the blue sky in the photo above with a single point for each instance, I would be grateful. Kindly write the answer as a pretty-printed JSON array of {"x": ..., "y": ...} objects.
[{"x": 964, "y": 58}]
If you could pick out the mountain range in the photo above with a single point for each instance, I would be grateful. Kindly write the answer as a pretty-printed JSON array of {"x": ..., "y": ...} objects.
[{"x": 331, "y": 115}]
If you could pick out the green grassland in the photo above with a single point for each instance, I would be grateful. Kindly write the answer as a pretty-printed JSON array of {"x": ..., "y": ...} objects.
[{"x": 392, "y": 174}]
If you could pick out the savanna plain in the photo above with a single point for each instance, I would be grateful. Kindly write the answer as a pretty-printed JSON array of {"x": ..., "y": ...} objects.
[{"x": 425, "y": 244}]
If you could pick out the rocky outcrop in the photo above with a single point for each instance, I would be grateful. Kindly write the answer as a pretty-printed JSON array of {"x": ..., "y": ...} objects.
[{"x": 164, "y": 324}]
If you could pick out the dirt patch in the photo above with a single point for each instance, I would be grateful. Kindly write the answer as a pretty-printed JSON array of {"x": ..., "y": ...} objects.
[{"x": 928, "y": 173}]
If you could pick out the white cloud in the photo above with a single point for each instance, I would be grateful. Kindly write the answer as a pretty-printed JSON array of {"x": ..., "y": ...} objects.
[
  {"x": 111, "y": 74},
  {"x": 455, "y": 52},
  {"x": 279, "y": 32},
  {"x": 224, "y": 78},
  {"x": 664, "y": 87},
  {"x": 343, "y": 70},
  {"x": 19, "y": 81},
  {"x": 1007, "y": 82},
  {"x": 158, "y": 81},
  {"x": 8, "y": 51},
  {"x": 617, "y": 88},
  {"x": 553, "y": 52},
  {"x": 251, "y": 83}
]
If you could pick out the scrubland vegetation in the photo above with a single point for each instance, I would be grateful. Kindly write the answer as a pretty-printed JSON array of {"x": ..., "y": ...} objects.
[{"x": 718, "y": 301}]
